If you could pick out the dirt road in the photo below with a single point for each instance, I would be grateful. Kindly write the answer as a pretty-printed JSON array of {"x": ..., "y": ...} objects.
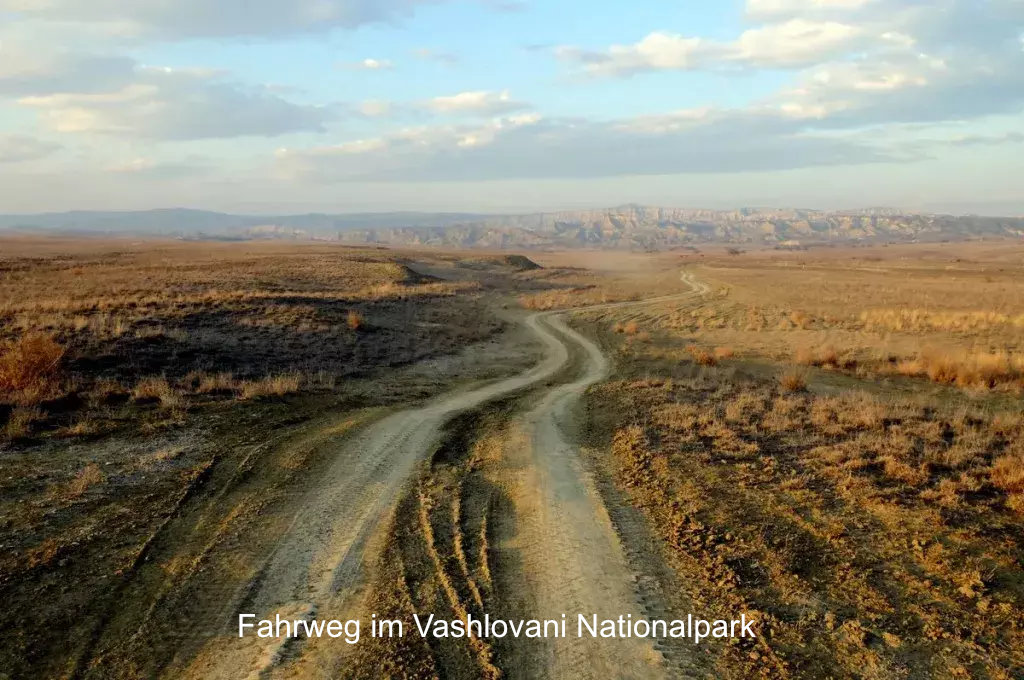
[
  {"x": 317, "y": 566},
  {"x": 572, "y": 554}
]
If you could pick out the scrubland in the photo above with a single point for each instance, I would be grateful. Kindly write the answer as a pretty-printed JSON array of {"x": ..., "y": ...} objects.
[
  {"x": 149, "y": 392},
  {"x": 832, "y": 440}
]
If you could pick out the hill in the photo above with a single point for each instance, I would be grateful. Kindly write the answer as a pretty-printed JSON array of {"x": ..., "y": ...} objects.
[{"x": 629, "y": 227}]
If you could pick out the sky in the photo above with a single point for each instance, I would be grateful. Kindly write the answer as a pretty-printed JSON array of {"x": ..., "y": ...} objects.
[{"x": 285, "y": 106}]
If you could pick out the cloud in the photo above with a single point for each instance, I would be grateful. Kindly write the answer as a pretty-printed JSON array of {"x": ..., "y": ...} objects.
[
  {"x": 793, "y": 43},
  {"x": 28, "y": 70},
  {"x": 532, "y": 147},
  {"x": 19, "y": 148},
  {"x": 162, "y": 103},
  {"x": 481, "y": 102},
  {"x": 371, "y": 65},
  {"x": 223, "y": 18},
  {"x": 797, "y": 42},
  {"x": 376, "y": 108}
]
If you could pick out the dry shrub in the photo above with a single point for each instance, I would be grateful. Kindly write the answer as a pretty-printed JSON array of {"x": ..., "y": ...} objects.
[
  {"x": 84, "y": 427},
  {"x": 30, "y": 365},
  {"x": 793, "y": 381},
  {"x": 800, "y": 319},
  {"x": 42, "y": 554},
  {"x": 355, "y": 320},
  {"x": 86, "y": 478},
  {"x": 1008, "y": 472},
  {"x": 899, "y": 470},
  {"x": 724, "y": 353},
  {"x": 701, "y": 356},
  {"x": 19, "y": 423},
  {"x": 271, "y": 386},
  {"x": 986, "y": 370},
  {"x": 827, "y": 356},
  {"x": 220, "y": 383},
  {"x": 107, "y": 390},
  {"x": 631, "y": 328},
  {"x": 157, "y": 389}
]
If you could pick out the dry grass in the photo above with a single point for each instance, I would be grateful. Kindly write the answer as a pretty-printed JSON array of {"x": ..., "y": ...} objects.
[
  {"x": 355, "y": 320},
  {"x": 271, "y": 386},
  {"x": 20, "y": 422},
  {"x": 29, "y": 366},
  {"x": 157, "y": 389},
  {"x": 724, "y": 353},
  {"x": 87, "y": 477},
  {"x": 872, "y": 537},
  {"x": 987, "y": 370},
  {"x": 793, "y": 381},
  {"x": 701, "y": 356},
  {"x": 84, "y": 325},
  {"x": 218, "y": 383}
]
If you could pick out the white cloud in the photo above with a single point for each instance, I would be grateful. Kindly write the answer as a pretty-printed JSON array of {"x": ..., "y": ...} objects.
[
  {"x": 793, "y": 43},
  {"x": 529, "y": 146},
  {"x": 19, "y": 148},
  {"x": 33, "y": 69},
  {"x": 376, "y": 108},
  {"x": 211, "y": 18},
  {"x": 797, "y": 42},
  {"x": 172, "y": 104},
  {"x": 370, "y": 64},
  {"x": 481, "y": 102}
]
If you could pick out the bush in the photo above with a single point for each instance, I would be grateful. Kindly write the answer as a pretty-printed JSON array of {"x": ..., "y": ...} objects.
[
  {"x": 30, "y": 365},
  {"x": 355, "y": 320},
  {"x": 793, "y": 382},
  {"x": 702, "y": 356},
  {"x": 157, "y": 389},
  {"x": 86, "y": 478},
  {"x": 19, "y": 423},
  {"x": 271, "y": 386}
]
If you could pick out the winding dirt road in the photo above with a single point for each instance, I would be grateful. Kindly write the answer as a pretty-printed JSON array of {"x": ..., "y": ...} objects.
[{"x": 580, "y": 562}]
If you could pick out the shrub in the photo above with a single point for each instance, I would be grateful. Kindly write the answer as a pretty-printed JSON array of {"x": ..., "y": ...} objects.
[
  {"x": 631, "y": 328},
  {"x": 19, "y": 423},
  {"x": 221, "y": 383},
  {"x": 30, "y": 365},
  {"x": 355, "y": 320},
  {"x": 271, "y": 386},
  {"x": 793, "y": 382},
  {"x": 724, "y": 353},
  {"x": 87, "y": 477},
  {"x": 1008, "y": 473},
  {"x": 157, "y": 389},
  {"x": 702, "y": 356}
]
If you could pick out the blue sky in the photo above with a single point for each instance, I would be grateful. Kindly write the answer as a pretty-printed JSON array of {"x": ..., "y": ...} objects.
[{"x": 494, "y": 105}]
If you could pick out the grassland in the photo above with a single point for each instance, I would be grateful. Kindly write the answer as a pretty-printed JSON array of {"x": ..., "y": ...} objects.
[
  {"x": 832, "y": 441},
  {"x": 151, "y": 395},
  {"x": 829, "y": 440}
]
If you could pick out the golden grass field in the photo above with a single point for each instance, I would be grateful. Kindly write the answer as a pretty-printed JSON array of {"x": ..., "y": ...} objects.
[
  {"x": 830, "y": 439},
  {"x": 835, "y": 439}
]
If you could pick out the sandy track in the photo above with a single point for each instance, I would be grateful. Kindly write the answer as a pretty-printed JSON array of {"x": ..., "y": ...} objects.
[
  {"x": 319, "y": 562},
  {"x": 572, "y": 556}
]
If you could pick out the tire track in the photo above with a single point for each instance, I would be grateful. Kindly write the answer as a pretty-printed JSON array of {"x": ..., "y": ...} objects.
[
  {"x": 571, "y": 548},
  {"x": 320, "y": 559}
]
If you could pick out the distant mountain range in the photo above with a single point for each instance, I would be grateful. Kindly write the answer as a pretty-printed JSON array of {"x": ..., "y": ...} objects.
[{"x": 627, "y": 227}]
